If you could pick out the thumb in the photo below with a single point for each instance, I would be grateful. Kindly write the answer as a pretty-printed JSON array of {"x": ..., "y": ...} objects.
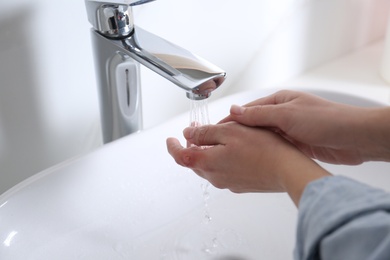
[
  {"x": 203, "y": 135},
  {"x": 258, "y": 115}
]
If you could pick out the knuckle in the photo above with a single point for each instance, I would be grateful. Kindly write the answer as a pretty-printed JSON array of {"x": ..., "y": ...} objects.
[
  {"x": 285, "y": 95},
  {"x": 284, "y": 92},
  {"x": 256, "y": 111},
  {"x": 252, "y": 115},
  {"x": 183, "y": 158},
  {"x": 201, "y": 134}
]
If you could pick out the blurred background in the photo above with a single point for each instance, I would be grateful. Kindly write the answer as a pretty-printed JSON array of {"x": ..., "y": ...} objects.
[{"x": 48, "y": 100}]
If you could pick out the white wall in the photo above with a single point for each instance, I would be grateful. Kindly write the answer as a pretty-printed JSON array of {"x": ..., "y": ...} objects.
[{"x": 48, "y": 101}]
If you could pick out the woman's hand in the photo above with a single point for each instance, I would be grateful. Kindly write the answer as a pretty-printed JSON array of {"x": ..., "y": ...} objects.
[
  {"x": 323, "y": 130},
  {"x": 245, "y": 159}
]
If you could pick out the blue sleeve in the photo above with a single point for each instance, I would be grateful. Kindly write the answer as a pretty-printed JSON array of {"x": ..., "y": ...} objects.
[{"x": 340, "y": 218}]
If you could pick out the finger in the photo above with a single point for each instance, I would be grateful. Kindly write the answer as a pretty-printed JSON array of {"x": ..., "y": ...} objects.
[
  {"x": 279, "y": 97},
  {"x": 274, "y": 116},
  {"x": 204, "y": 135},
  {"x": 177, "y": 151},
  {"x": 193, "y": 124},
  {"x": 269, "y": 100},
  {"x": 236, "y": 112},
  {"x": 194, "y": 157}
]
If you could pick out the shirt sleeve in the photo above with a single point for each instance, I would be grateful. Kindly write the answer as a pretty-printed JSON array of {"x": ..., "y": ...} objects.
[{"x": 340, "y": 218}]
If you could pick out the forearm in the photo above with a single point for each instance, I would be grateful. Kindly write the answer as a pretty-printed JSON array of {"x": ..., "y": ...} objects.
[
  {"x": 298, "y": 173},
  {"x": 373, "y": 134}
]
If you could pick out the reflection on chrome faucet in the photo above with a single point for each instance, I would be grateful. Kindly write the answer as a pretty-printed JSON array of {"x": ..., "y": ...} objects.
[{"x": 119, "y": 47}]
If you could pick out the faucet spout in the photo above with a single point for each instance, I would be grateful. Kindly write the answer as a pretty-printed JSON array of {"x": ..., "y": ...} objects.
[
  {"x": 195, "y": 75},
  {"x": 120, "y": 47}
]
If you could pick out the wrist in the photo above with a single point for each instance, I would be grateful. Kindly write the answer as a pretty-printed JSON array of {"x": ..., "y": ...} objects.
[
  {"x": 373, "y": 138},
  {"x": 300, "y": 171}
]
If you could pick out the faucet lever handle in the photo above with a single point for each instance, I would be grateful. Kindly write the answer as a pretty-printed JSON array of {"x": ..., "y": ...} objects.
[
  {"x": 112, "y": 18},
  {"x": 121, "y": 2},
  {"x": 140, "y": 2}
]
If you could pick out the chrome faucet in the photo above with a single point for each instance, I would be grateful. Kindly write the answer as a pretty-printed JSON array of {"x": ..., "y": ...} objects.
[{"x": 119, "y": 47}]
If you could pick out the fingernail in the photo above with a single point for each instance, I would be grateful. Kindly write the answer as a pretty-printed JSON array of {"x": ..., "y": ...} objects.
[
  {"x": 237, "y": 110},
  {"x": 189, "y": 132}
]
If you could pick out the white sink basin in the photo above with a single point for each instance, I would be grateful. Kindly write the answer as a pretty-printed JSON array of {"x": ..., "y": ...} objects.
[{"x": 129, "y": 200}]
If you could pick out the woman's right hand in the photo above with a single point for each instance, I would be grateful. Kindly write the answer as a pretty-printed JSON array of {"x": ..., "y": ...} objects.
[
  {"x": 324, "y": 130},
  {"x": 245, "y": 159}
]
